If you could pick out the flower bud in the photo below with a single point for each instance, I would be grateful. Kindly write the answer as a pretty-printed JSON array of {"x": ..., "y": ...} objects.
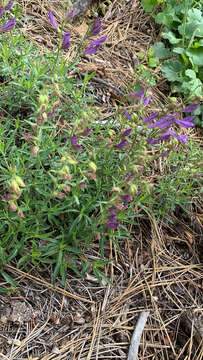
[
  {"x": 35, "y": 150},
  {"x": 71, "y": 160},
  {"x": 92, "y": 166},
  {"x": 20, "y": 214},
  {"x": 133, "y": 189},
  {"x": 43, "y": 100},
  {"x": 116, "y": 189},
  {"x": 15, "y": 187},
  {"x": 19, "y": 181},
  {"x": 12, "y": 206},
  {"x": 66, "y": 188}
]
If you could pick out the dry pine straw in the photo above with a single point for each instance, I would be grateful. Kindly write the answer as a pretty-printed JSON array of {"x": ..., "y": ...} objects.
[{"x": 157, "y": 270}]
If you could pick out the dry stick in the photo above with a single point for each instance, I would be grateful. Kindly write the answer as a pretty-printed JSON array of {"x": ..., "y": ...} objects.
[{"x": 135, "y": 341}]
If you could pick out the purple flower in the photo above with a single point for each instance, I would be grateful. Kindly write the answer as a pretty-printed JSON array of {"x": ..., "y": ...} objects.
[
  {"x": 10, "y": 24},
  {"x": 82, "y": 184},
  {"x": 8, "y": 6},
  {"x": 113, "y": 218},
  {"x": 139, "y": 94},
  {"x": 190, "y": 108},
  {"x": 96, "y": 27},
  {"x": 151, "y": 117},
  {"x": 165, "y": 153},
  {"x": 152, "y": 140},
  {"x": 112, "y": 209},
  {"x": 70, "y": 14},
  {"x": 164, "y": 122},
  {"x": 126, "y": 198},
  {"x": 1, "y": 11},
  {"x": 128, "y": 176},
  {"x": 51, "y": 18},
  {"x": 147, "y": 100},
  {"x": 94, "y": 46},
  {"x": 77, "y": 147},
  {"x": 127, "y": 115},
  {"x": 74, "y": 139},
  {"x": 113, "y": 225},
  {"x": 181, "y": 138},
  {"x": 66, "y": 42},
  {"x": 121, "y": 145},
  {"x": 126, "y": 132},
  {"x": 186, "y": 122},
  {"x": 86, "y": 132}
]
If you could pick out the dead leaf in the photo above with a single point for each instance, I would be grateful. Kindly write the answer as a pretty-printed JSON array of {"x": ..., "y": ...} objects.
[{"x": 82, "y": 29}]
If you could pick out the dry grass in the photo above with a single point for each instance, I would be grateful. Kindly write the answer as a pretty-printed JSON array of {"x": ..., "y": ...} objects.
[{"x": 158, "y": 269}]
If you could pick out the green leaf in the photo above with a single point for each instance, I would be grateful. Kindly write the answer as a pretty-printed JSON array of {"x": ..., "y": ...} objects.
[
  {"x": 165, "y": 17},
  {"x": 8, "y": 278},
  {"x": 196, "y": 55},
  {"x": 160, "y": 51},
  {"x": 149, "y": 5},
  {"x": 169, "y": 35},
  {"x": 153, "y": 62},
  {"x": 178, "y": 50},
  {"x": 171, "y": 69},
  {"x": 190, "y": 73}
]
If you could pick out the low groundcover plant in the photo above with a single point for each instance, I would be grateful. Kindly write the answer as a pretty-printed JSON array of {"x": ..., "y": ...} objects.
[{"x": 66, "y": 180}]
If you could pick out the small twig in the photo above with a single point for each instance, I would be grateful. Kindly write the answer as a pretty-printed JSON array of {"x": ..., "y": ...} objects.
[{"x": 135, "y": 341}]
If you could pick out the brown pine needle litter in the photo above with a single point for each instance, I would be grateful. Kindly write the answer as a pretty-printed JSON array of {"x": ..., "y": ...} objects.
[{"x": 158, "y": 270}]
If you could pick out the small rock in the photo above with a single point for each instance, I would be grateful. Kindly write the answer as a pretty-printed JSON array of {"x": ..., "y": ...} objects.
[{"x": 80, "y": 6}]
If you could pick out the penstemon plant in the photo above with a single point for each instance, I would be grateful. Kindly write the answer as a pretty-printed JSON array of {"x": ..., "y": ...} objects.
[{"x": 67, "y": 181}]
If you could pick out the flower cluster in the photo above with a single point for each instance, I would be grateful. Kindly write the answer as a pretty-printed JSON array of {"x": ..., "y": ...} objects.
[
  {"x": 95, "y": 30},
  {"x": 10, "y": 24},
  {"x": 15, "y": 185}
]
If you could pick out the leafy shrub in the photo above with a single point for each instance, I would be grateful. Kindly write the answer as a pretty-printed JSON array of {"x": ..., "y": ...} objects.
[{"x": 67, "y": 180}]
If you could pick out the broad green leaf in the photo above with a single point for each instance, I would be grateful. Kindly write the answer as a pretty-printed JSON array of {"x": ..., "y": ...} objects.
[
  {"x": 166, "y": 17},
  {"x": 194, "y": 16},
  {"x": 160, "y": 51},
  {"x": 196, "y": 55},
  {"x": 178, "y": 50},
  {"x": 149, "y": 5},
  {"x": 190, "y": 73},
  {"x": 153, "y": 62},
  {"x": 171, "y": 69},
  {"x": 169, "y": 35}
]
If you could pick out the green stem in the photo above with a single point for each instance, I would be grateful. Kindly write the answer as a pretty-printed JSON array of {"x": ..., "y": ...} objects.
[{"x": 184, "y": 21}]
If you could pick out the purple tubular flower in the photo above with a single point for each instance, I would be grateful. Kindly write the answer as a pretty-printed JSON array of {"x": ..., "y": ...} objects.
[
  {"x": 74, "y": 139},
  {"x": 10, "y": 24},
  {"x": 126, "y": 132},
  {"x": 121, "y": 145},
  {"x": 112, "y": 210},
  {"x": 147, "y": 100},
  {"x": 70, "y": 14},
  {"x": 127, "y": 115},
  {"x": 77, "y": 147},
  {"x": 1, "y": 11},
  {"x": 128, "y": 176},
  {"x": 8, "y": 6},
  {"x": 126, "y": 198},
  {"x": 190, "y": 108},
  {"x": 151, "y": 117},
  {"x": 96, "y": 29},
  {"x": 138, "y": 95},
  {"x": 113, "y": 225},
  {"x": 113, "y": 218},
  {"x": 86, "y": 132},
  {"x": 94, "y": 46},
  {"x": 181, "y": 138},
  {"x": 152, "y": 140},
  {"x": 51, "y": 18},
  {"x": 186, "y": 122},
  {"x": 66, "y": 42},
  {"x": 164, "y": 122}
]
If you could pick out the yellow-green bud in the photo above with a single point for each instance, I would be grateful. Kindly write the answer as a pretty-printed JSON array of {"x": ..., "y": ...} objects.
[
  {"x": 71, "y": 160},
  {"x": 43, "y": 99},
  {"x": 19, "y": 181},
  {"x": 111, "y": 132},
  {"x": 92, "y": 166},
  {"x": 15, "y": 187},
  {"x": 133, "y": 189},
  {"x": 116, "y": 189}
]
